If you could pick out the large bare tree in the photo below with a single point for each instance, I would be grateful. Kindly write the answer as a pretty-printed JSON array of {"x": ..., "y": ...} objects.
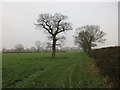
[
  {"x": 89, "y": 36},
  {"x": 54, "y": 25}
]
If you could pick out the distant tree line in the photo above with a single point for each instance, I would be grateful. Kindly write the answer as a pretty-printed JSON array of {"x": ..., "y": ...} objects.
[{"x": 39, "y": 47}]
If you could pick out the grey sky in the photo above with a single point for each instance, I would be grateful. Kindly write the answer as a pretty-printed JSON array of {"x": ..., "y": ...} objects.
[{"x": 18, "y": 18}]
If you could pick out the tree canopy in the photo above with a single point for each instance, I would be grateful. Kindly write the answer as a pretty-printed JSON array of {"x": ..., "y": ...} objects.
[
  {"x": 89, "y": 36},
  {"x": 53, "y": 25}
]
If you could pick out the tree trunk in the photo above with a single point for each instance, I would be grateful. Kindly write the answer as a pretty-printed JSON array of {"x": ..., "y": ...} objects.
[
  {"x": 89, "y": 48},
  {"x": 54, "y": 48},
  {"x": 38, "y": 50}
]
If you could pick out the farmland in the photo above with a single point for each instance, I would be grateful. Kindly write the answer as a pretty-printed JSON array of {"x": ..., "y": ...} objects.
[{"x": 39, "y": 70}]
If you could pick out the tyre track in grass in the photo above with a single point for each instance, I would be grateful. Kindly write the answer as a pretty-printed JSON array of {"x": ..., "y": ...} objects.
[
  {"x": 58, "y": 80},
  {"x": 82, "y": 76},
  {"x": 34, "y": 75},
  {"x": 70, "y": 77},
  {"x": 64, "y": 80},
  {"x": 65, "y": 76}
]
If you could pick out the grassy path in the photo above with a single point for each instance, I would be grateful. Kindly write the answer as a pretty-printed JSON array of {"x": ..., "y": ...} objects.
[{"x": 69, "y": 70}]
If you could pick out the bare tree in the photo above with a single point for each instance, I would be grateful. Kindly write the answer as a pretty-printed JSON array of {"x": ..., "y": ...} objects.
[
  {"x": 89, "y": 36},
  {"x": 4, "y": 50},
  {"x": 38, "y": 45},
  {"x": 32, "y": 49},
  {"x": 48, "y": 46},
  {"x": 53, "y": 25},
  {"x": 19, "y": 47}
]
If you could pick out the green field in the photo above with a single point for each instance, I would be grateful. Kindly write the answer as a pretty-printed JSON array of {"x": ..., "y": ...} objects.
[{"x": 38, "y": 70}]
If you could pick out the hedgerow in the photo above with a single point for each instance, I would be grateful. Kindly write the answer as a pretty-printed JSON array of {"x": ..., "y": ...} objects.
[{"x": 107, "y": 60}]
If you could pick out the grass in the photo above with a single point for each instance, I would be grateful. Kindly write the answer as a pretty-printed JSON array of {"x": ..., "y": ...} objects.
[{"x": 38, "y": 70}]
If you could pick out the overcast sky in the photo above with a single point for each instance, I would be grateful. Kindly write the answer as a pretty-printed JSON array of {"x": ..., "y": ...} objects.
[{"x": 18, "y": 19}]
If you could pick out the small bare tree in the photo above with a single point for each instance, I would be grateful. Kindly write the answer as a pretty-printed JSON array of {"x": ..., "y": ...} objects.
[
  {"x": 89, "y": 36},
  {"x": 32, "y": 49},
  {"x": 48, "y": 46},
  {"x": 19, "y": 47},
  {"x": 4, "y": 50},
  {"x": 54, "y": 25},
  {"x": 38, "y": 45}
]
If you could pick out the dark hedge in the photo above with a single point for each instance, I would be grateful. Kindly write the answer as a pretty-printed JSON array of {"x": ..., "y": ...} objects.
[{"x": 107, "y": 61}]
